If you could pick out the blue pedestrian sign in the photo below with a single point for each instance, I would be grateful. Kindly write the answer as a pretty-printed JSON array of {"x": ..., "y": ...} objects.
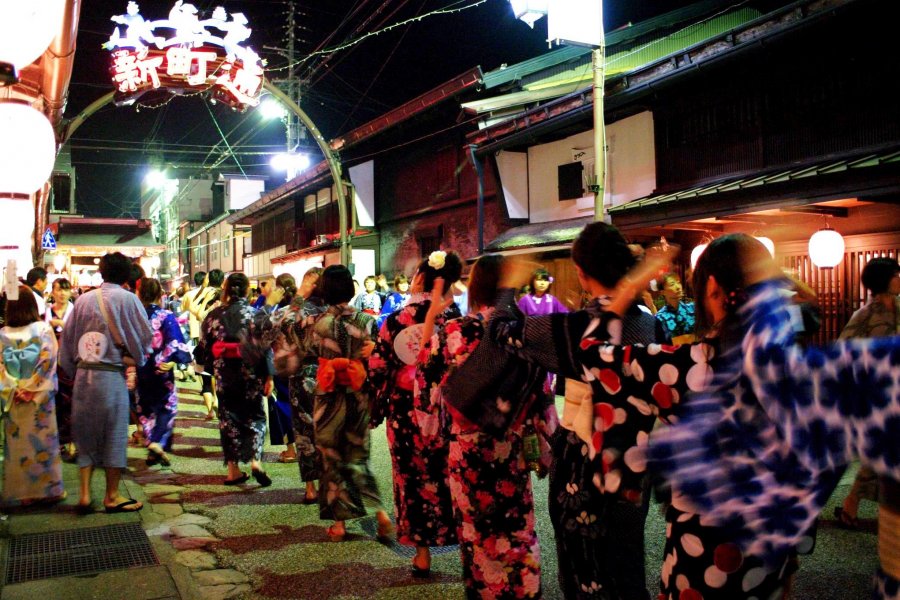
[{"x": 48, "y": 242}]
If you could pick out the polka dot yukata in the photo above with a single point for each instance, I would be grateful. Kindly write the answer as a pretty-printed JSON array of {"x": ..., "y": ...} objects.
[{"x": 758, "y": 449}]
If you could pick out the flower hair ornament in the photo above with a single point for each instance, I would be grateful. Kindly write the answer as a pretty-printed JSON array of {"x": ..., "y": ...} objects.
[{"x": 437, "y": 259}]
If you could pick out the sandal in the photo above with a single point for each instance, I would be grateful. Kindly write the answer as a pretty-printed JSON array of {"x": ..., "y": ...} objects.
[
  {"x": 385, "y": 532},
  {"x": 125, "y": 506},
  {"x": 310, "y": 499},
  {"x": 284, "y": 457},
  {"x": 155, "y": 456},
  {"x": 84, "y": 509},
  {"x": 237, "y": 480},
  {"x": 336, "y": 533},
  {"x": 262, "y": 478},
  {"x": 844, "y": 519}
]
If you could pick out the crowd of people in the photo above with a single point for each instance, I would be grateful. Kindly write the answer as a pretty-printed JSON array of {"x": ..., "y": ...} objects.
[{"x": 757, "y": 425}]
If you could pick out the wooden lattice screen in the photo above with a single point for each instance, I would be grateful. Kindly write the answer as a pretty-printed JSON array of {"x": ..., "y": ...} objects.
[{"x": 840, "y": 290}]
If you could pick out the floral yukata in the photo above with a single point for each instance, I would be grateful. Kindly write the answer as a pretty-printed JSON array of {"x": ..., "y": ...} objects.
[
  {"x": 240, "y": 378},
  {"x": 679, "y": 321},
  {"x": 32, "y": 471},
  {"x": 422, "y": 504},
  {"x": 157, "y": 399},
  {"x": 489, "y": 478},
  {"x": 347, "y": 488},
  {"x": 284, "y": 330}
]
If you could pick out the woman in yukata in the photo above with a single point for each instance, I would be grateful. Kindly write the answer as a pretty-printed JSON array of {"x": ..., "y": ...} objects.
[
  {"x": 243, "y": 380},
  {"x": 32, "y": 471},
  {"x": 538, "y": 301},
  {"x": 767, "y": 430},
  {"x": 396, "y": 299},
  {"x": 495, "y": 509},
  {"x": 341, "y": 338},
  {"x": 418, "y": 456},
  {"x": 157, "y": 398}
]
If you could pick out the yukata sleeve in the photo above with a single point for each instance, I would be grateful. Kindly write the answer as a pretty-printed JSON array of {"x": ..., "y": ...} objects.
[
  {"x": 68, "y": 349},
  {"x": 543, "y": 340},
  {"x": 833, "y": 403},
  {"x": 175, "y": 349},
  {"x": 136, "y": 330},
  {"x": 382, "y": 372}
]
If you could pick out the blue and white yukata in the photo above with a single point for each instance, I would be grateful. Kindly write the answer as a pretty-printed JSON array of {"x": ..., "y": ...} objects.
[
  {"x": 100, "y": 408},
  {"x": 157, "y": 399}
]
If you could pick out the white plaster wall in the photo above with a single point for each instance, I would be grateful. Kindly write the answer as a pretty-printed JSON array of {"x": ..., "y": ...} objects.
[{"x": 631, "y": 169}]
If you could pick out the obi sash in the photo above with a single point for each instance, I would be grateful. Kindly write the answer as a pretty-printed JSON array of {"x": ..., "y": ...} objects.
[
  {"x": 222, "y": 349},
  {"x": 347, "y": 372}
]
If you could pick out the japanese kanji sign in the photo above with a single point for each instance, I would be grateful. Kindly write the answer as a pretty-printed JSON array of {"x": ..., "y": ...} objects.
[{"x": 190, "y": 59}]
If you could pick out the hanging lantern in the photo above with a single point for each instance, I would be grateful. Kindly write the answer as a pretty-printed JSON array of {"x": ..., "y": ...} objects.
[
  {"x": 529, "y": 11},
  {"x": 26, "y": 29},
  {"x": 826, "y": 248},
  {"x": 695, "y": 254},
  {"x": 59, "y": 262},
  {"x": 16, "y": 228},
  {"x": 768, "y": 243},
  {"x": 27, "y": 149}
]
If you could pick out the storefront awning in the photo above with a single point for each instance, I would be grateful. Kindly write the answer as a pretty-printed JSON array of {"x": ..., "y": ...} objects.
[{"x": 539, "y": 237}]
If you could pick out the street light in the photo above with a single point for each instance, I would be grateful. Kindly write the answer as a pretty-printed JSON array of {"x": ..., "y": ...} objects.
[
  {"x": 272, "y": 109},
  {"x": 580, "y": 23},
  {"x": 155, "y": 179},
  {"x": 291, "y": 163}
]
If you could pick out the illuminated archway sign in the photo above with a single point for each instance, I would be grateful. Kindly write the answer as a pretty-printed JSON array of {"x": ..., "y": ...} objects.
[{"x": 184, "y": 54}]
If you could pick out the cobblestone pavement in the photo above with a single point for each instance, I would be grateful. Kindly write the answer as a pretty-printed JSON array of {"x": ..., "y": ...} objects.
[{"x": 263, "y": 543}]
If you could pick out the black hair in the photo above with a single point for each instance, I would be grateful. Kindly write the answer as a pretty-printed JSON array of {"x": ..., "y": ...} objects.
[
  {"x": 136, "y": 274},
  {"x": 151, "y": 291},
  {"x": 199, "y": 276},
  {"x": 540, "y": 275},
  {"x": 602, "y": 253},
  {"x": 450, "y": 272},
  {"x": 22, "y": 312},
  {"x": 730, "y": 259},
  {"x": 337, "y": 285},
  {"x": 63, "y": 283},
  {"x": 877, "y": 274},
  {"x": 115, "y": 268},
  {"x": 236, "y": 286},
  {"x": 401, "y": 278},
  {"x": 34, "y": 275},
  {"x": 286, "y": 281},
  {"x": 216, "y": 277},
  {"x": 483, "y": 280}
]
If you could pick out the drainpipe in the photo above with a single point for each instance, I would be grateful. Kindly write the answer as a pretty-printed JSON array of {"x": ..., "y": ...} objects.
[
  {"x": 479, "y": 171},
  {"x": 56, "y": 73}
]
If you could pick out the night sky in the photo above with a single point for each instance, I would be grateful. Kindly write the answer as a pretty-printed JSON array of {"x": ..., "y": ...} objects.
[{"x": 351, "y": 88}]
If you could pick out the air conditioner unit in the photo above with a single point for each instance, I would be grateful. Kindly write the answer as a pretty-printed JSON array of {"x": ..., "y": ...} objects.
[{"x": 321, "y": 239}]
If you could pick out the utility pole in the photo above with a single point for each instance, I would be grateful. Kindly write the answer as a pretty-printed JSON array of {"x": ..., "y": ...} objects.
[{"x": 291, "y": 84}]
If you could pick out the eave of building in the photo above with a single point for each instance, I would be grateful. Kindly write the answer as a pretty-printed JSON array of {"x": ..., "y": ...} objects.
[
  {"x": 538, "y": 237},
  {"x": 625, "y": 89},
  {"x": 871, "y": 174},
  {"x": 210, "y": 225}
]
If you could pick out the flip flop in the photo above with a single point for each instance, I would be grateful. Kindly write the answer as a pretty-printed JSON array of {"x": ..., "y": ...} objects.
[
  {"x": 845, "y": 520},
  {"x": 310, "y": 500},
  {"x": 122, "y": 507},
  {"x": 237, "y": 481},
  {"x": 286, "y": 459},
  {"x": 334, "y": 536},
  {"x": 84, "y": 509}
]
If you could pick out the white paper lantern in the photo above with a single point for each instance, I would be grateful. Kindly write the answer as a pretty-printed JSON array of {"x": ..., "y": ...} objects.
[
  {"x": 768, "y": 243},
  {"x": 27, "y": 28},
  {"x": 695, "y": 254},
  {"x": 529, "y": 11},
  {"x": 16, "y": 229},
  {"x": 27, "y": 149},
  {"x": 826, "y": 248}
]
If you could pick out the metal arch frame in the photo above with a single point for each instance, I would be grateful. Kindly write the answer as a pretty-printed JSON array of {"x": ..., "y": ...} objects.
[{"x": 66, "y": 131}]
